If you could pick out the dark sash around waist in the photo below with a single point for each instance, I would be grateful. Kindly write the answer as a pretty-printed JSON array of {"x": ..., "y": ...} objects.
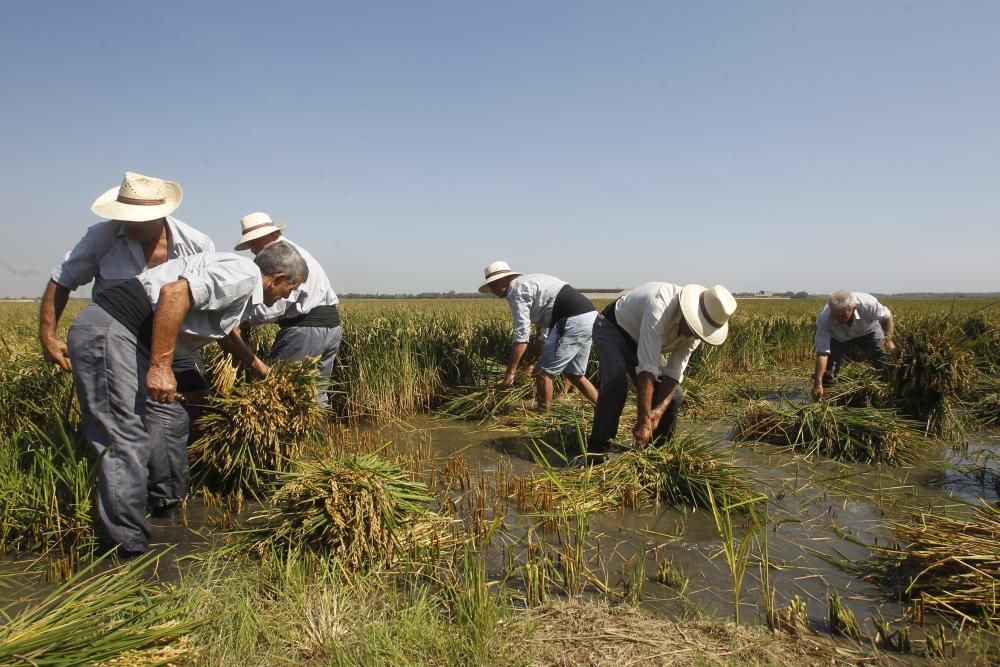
[
  {"x": 128, "y": 304},
  {"x": 570, "y": 302},
  {"x": 609, "y": 314},
  {"x": 320, "y": 316}
]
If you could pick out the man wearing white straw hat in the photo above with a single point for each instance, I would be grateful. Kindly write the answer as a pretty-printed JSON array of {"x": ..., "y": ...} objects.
[
  {"x": 563, "y": 318},
  {"x": 649, "y": 335},
  {"x": 308, "y": 320},
  {"x": 122, "y": 347},
  {"x": 139, "y": 233}
]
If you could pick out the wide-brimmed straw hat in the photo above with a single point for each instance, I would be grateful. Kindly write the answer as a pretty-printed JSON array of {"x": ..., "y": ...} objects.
[
  {"x": 493, "y": 272},
  {"x": 254, "y": 226},
  {"x": 707, "y": 311},
  {"x": 139, "y": 199}
]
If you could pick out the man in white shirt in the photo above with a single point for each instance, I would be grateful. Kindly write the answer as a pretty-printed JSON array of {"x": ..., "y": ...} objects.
[
  {"x": 649, "y": 335},
  {"x": 564, "y": 321},
  {"x": 849, "y": 321},
  {"x": 308, "y": 320},
  {"x": 139, "y": 234},
  {"x": 122, "y": 347}
]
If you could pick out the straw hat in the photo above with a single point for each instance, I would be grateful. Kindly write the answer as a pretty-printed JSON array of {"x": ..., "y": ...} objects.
[
  {"x": 254, "y": 226},
  {"x": 707, "y": 311},
  {"x": 495, "y": 271},
  {"x": 139, "y": 199}
]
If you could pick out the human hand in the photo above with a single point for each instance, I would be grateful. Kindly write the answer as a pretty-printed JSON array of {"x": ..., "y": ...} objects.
[
  {"x": 161, "y": 385},
  {"x": 56, "y": 352},
  {"x": 642, "y": 433},
  {"x": 508, "y": 381},
  {"x": 889, "y": 345},
  {"x": 817, "y": 390},
  {"x": 259, "y": 368}
]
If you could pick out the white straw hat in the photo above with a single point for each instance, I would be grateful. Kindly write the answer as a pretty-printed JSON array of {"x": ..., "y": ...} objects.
[
  {"x": 707, "y": 311},
  {"x": 495, "y": 271},
  {"x": 254, "y": 226},
  {"x": 139, "y": 199}
]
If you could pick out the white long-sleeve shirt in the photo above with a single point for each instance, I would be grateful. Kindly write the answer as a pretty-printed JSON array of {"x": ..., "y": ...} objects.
[
  {"x": 107, "y": 255},
  {"x": 315, "y": 291},
  {"x": 864, "y": 320},
  {"x": 651, "y": 315},
  {"x": 531, "y": 297}
]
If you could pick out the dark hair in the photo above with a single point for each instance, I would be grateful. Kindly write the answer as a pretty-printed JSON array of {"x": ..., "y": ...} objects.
[{"x": 281, "y": 257}]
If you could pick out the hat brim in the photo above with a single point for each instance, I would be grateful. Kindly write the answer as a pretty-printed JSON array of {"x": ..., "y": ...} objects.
[
  {"x": 256, "y": 234},
  {"x": 702, "y": 328},
  {"x": 485, "y": 287},
  {"x": 107, "y": 206}
]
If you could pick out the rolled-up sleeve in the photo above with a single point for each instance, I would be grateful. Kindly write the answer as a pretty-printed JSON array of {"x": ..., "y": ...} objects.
[
  {"x": 81, "y": 264},
  {"x": 871, "y": 308},
  {"x": 823, "y": 335},
  {"x": 650, "y": 349},
  {"x": 519, "y": 300},
  {"x": 678, "y": 362},
  {"x": 221, "y": 283}
]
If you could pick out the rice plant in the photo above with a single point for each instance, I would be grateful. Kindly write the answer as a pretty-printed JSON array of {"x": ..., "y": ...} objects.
[
  {"x": 950, "y": 563},
  {"x": 358, "y": 508},
  {"x": 257, "y": 429},
  {"x": 860, "y": 386},
  {"x": 842, "y": 620},
  {"x": 867, "y": 435}
]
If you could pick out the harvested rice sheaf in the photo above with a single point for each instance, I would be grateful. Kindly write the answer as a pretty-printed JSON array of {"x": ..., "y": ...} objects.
[
  {"x": 679, "y": 473},
  {"x": 860, "y": 386},
  {"x": 866, "y": 435},
  {"x": 358, "y": 508},
  {"x": 257, "y": 429},
  {"x": 951, "y": 563}
]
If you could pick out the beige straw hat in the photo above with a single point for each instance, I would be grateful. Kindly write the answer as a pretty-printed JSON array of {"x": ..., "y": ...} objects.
[
  {"x": 254, "y": 226},
  {"x": 707, "y": 311},
  {"x": 139, "y": 199},
  {"x": 495, "y": 271}
]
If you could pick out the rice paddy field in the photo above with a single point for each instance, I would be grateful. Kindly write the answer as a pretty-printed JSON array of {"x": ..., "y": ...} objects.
[{"x": 428, "y": 518}]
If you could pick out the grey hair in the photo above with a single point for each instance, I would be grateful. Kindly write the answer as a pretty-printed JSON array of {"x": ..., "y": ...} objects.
[
  {"x": 281, "y": 257},
  {"x": 842, "y": 299}
]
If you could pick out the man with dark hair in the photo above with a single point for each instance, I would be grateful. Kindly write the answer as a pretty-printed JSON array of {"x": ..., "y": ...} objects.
[{"x": 122, "y": 348}]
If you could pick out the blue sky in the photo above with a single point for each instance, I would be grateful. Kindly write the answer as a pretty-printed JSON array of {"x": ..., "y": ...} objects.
[{"x": 762, "y": 145}]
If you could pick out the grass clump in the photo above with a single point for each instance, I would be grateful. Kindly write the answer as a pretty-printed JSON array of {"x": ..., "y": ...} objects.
[
  {"x": 358, "y": 508},
  {"x": 866, "y": 435},
  {"x": 860, "y": 386},
  {"x": 951, "y": 564},
  {"x": 257, "y": 429}
]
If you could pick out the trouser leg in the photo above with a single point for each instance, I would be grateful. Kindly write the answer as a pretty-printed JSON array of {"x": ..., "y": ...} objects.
[
  {"x": 297, "y": 343},
  {"x": 614, "y": 358},
  {"x": 834, "y": 360},
  {"x": 871, "y": 347},
  {"x": 668, "y": 422},
  {"x": 168, "y": 425},
  {"x": 107, "y": 367}
]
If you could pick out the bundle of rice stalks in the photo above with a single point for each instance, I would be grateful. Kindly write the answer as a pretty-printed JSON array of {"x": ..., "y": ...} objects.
[
  {"x": 563, "y": 428},
  {"x": 490, "y": 401},
  {"x": 986, "y": 409},
  {"x": 93, "y": 618},
  {"x": 859, "y": 386},
  {"x": 257, "y": 429},
  {"x": 950, "y": 563},
  {"x": 933, "y": 365},
  {"x": 842, "y": 620},
  {"x": 358, "y": 508},
  {"x": 866, "y": 435},
  {"x": 679, "y": 473}
]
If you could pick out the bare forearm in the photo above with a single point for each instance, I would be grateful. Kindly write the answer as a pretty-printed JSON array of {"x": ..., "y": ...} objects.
[
  {"x": 667, "y": 386},
  {"x": 174, "y": 304},
  {"x": 888, "y": 326},
  {"x": 517, "y": 351},
  {"x": 821, "y": 361},
  {"x": 234, "y": 345},
  {"x": 53, "y": 303},
  {"x": 645, "y": 385}
]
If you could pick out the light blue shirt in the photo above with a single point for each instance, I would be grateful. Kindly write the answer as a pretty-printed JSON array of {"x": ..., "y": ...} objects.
[
  {"x": 313, "y": 292},
  {"x": 224, "y": 286},
  {"x": 651, "y": 314},
  {"x": 531, "y": 297},
  {"x": 107, "y": 256},
  {"x": 864, "y": 320}
]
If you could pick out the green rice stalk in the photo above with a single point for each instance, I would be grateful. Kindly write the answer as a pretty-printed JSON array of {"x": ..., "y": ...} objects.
[
  {"x": 358, "y": 508},
  {"x": 842, "y": 620},
  {"x": 257, "y": 429},
  {"x": 867, "y": 435},
  {"x": 859, "y": 386}
]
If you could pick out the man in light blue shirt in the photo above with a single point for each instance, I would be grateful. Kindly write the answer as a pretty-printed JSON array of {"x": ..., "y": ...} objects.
[{"x": 849, "y": 320}]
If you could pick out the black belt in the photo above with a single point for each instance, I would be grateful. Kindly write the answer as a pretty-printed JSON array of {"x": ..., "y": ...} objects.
[
  {"x": 320, "y": 316},
  {"x": 609, "y": 314}
]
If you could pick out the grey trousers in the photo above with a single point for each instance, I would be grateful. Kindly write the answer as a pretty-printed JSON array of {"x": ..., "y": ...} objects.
[
  {"x": 134, "y": 439},
  {"x": 617, "y": 359},
  {"x": 297, "y": 343},
  {"x": 869, "y": 345}
]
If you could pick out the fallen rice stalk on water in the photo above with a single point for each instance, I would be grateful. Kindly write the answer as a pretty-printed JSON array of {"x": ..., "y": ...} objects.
[
  {"x": 257, "y": 429},
  {"x": 679, "y": 473},
  {"x": 866, "y": 435},
  {"x": 358, "y": 508},
  {"x": 484, "y": 403},
  {"x": 952, "y": 564}
]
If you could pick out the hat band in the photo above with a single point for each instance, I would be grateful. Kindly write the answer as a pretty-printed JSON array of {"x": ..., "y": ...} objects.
[
  {"x": 256, "y": 227},
  {"x": 496, "y": 273},
  {"x": 704, "y": 311},
  {"x": 141, "y": 202}
]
